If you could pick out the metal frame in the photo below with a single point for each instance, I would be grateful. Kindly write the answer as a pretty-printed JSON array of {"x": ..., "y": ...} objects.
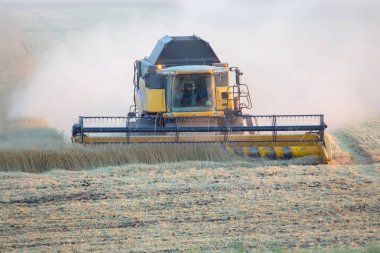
[{"x": 224, "y": 128}]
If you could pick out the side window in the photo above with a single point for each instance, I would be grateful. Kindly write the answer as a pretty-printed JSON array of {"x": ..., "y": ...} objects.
[
  {"x": 155, "y": 81},
  {"x": 221, "y": 79}
]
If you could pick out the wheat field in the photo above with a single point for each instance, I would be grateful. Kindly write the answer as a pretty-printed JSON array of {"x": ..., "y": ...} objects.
[{"x": 206, "y": 202}]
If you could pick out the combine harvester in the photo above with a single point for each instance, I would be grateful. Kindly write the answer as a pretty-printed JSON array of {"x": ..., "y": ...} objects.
[{"x": 182, "y": 94}]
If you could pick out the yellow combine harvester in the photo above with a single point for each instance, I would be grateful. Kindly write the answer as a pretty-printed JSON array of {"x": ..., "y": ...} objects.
[{"x": 182, "y": 94}]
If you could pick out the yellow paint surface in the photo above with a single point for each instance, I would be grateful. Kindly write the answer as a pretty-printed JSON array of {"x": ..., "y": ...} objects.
[{"x": 155, "y": 100}]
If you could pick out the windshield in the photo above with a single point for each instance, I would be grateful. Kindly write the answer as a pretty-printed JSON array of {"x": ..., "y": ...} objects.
[{"x": 192, "y": 93}]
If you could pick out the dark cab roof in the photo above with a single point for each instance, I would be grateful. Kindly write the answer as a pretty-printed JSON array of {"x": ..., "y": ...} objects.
[{"x": 182, "y": 50}]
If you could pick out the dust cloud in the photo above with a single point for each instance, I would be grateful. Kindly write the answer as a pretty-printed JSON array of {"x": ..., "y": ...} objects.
[
  {"x": 15, "y": 65},
  {"x": 297, "y": 57}
]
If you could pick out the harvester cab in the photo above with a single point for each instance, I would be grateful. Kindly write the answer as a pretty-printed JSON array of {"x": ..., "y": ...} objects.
[
  {"x": 183, "y": 77},
  {"x": 183, "y": 94}
]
